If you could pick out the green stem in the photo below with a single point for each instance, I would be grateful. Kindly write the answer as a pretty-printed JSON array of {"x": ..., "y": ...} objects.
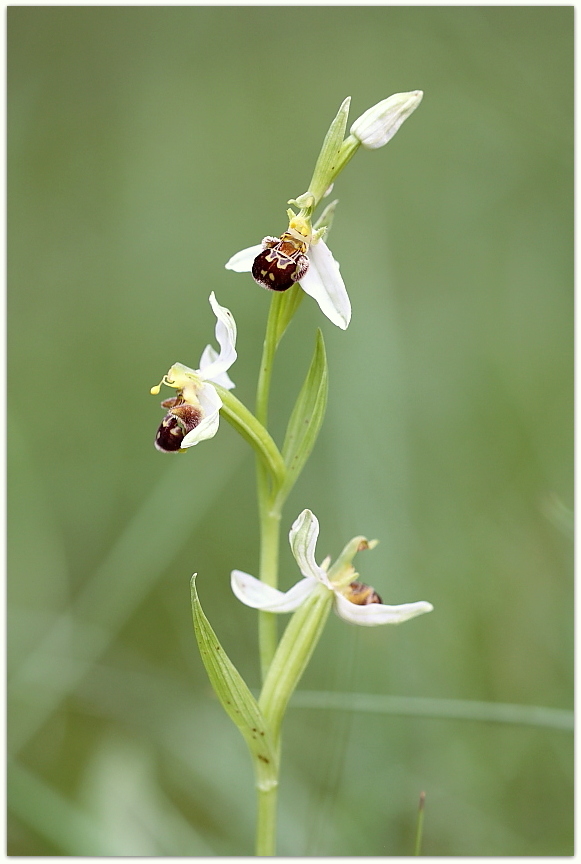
[
  {"x": 266, "y": 822},
  {"x": 266, "y": 363},
  {"x": 269, "y": 545},
  {"x": 282, "y": 308},
  {"x": 269, "y": 524},
  {"x": 292, "y": 656}
]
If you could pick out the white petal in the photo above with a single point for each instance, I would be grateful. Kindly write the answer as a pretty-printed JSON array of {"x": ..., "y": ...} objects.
[
  {"x": 242, "y": 262},
  {"x": 256, "y": 594},
  {"x": 210, "y": 355},
  {"x": 210, "y": 403},
  {"x": 226, "y": 337},
  {"x": 303, "y": 540},
  {"x": 378, "y": 613},
  {"x": 323, "y": 282}
]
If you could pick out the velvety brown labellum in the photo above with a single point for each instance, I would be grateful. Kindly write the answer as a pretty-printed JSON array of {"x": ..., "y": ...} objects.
[
  {"x": 361, "y": 595},
  {"x": 281, "y": 263},
  {"x": 179, "y": 420}
]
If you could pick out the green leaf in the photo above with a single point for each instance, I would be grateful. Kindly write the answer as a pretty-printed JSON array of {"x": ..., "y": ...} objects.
[
  {"x": 307, "y": 417},
  {"x": 252, "y": 431},
  {"x": 236, "y": 698}
]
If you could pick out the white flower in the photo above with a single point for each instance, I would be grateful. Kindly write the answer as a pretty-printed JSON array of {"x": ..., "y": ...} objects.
[
  {"x": 379, "y": 124},
  {"x": 353, "y": 601},
  {"x": 303, "y": 257},
  {"x": 194, "y": 414}
]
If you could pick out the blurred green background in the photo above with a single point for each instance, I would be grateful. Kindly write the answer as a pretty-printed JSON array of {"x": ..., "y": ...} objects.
[{"x": 147, "y": 145}]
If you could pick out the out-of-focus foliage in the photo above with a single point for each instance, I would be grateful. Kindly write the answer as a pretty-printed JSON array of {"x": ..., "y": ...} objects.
[{"x": 146, "y": 146}]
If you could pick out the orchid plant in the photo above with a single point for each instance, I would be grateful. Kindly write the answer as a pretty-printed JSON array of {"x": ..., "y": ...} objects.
[{"x": 296, "y": 263}]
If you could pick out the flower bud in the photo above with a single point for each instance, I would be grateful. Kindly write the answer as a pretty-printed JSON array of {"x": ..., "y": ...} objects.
[{"x": 379, "y": 124}]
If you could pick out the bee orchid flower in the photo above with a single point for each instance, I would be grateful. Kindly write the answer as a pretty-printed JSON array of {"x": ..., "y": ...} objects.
[
  {"x": 299, "y": 255},
  {"x": 194, "y": 413},
  {"x": 352, "y": 600}
]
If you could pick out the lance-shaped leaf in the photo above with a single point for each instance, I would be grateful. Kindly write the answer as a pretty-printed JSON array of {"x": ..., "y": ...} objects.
[
  {"x": 307, "y": 416},
  {"x": 236, "y": 698}
]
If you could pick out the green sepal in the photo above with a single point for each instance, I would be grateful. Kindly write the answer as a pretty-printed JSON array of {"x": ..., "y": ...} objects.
[
  {"x": 307, "y": 417},
  {"x": 235, "y": 697},
  {"x": 342, "y": 571},
  {"x": 254, "y": 432},
  {"x": 327, "y": 165}
]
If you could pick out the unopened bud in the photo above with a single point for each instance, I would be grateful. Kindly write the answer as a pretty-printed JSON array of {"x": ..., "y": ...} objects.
[{"x": 379, "y": 124}]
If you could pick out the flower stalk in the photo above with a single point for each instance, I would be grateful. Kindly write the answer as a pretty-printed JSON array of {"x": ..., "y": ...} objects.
[
  {"x": 267, "y": 800},
  {"x": 282, "y": 308}
]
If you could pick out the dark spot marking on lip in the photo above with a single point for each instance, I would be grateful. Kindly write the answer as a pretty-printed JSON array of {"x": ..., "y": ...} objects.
[
  {"x": 179, "y": 420},
  {"x": 281, "y": 263}
]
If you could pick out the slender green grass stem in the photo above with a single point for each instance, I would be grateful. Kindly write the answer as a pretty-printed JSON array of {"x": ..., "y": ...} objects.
[{"x": 420, "y": 825}]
